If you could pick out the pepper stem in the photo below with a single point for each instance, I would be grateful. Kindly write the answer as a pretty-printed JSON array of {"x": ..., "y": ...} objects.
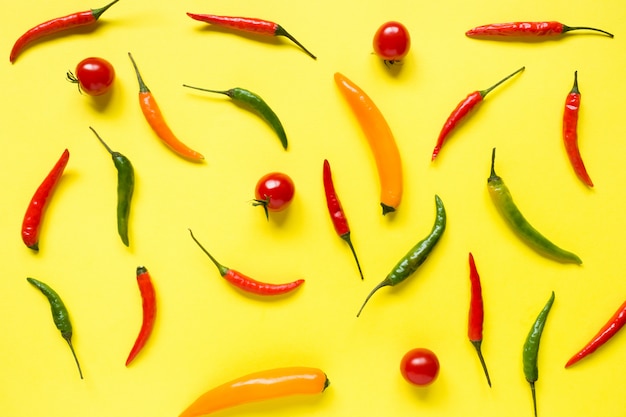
[
  {"x": 575, "y": 89},
  {"x": 225, "y": 92},
  {"x": 280, "y": 31},
  {"x": 483, "y": 93},
  {"x": 98, "y": 12},
  {"x": 493, "y": 175},
  {"x": 68, "y": 339},
  {"x": 532, "y": 390},
  {"x": 383, "y": 283},
  {"x": 223, "y": 270},
  {"x": 477, "y": 344},
  {"x": 570, "y": 28},
  {"x": 101, "y": 140},
  {"x": 143, "y": 88},
  {"x": 346, "y": 237}
]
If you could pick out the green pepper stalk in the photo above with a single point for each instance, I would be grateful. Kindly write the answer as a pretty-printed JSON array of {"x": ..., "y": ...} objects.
[
  {"x": 416, "y": 256},
  {"x": 256, "y": 104},
  {"x": 501, "y": 197},
  {"x": 531, "y": 349}
]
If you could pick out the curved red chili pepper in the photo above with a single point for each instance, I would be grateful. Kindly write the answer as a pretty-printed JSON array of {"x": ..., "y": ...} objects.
[
  {"x": 570, "y": 132},
  {"x": 615, "y": 323},
  {"x": 337, "y": 215},
  {"x": 462, "y": 109},
  {"x": 57, "y": 25},
  {"x": 523, "y": 29},
  {"x": 476, "y": 315},
  {"x": 39, "y": 201},
  {"x": 148, "y": 301},
  {"x": 246, "y": 283}
]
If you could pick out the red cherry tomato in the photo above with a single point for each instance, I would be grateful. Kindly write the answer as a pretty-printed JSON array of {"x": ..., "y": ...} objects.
[
  {"x": 392, "y": 42},
  {"x": 419, "y": 366},
  {"x": 94, "y": 76},
  {"x": 274, "y": 191}
]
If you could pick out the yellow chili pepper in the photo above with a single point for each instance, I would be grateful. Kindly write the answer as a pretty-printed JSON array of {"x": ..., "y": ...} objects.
[
  {"x": 259, "y": 386},
  {"x": 381, "y": 142}
]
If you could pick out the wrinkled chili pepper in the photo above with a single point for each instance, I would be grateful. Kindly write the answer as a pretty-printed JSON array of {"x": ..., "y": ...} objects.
[
  {"x": 259, "y": 386},
  {"x": 527, "y": 29},
  {"x": 125, "y": 188},
  {"x": 60, "y": 315},
  {"x": 337, "y": 215},
  {"x": 476, "y": 315},
  {"x": 153, "y": 115},
  {"x": 502, "y": 199},
  {"x": 531, "y": 349},
  {"x": 610, "y": 328},
  {"x": 570, "y": 132},
  {"x": 462, "y": 110},
  {"x": 56, "y": 25},
  {"x": 148, "y": 303},
  {"x": 39, "y": 201},
  {"x": 255, "y": 103},
  {"x": 246, "y": 283},
  {"x": 381, "y": 142},
  {"x": 249, "y": 25},
  {"x": 416, "y": 256}
]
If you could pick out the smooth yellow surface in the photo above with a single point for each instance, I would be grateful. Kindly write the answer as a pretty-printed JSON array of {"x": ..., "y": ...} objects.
[{"x": 207, "y": 332}]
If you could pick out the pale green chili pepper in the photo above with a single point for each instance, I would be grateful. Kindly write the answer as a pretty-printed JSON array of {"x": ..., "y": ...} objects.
[
  {"x": 531, "y": 349},
  {"x": 501, "y": 197},
  {"x": 60, "y": 316},
  {"x": 125, "y": 188},
  {"x": 255, "y": 103}
]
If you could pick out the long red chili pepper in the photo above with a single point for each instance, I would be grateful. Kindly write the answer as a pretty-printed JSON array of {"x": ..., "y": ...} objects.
[
  {"x": 337, "y": 215},
  {"x": 148, "y": 300},
  {"x": 250, "y": 25},
  {"x": 462, "y": 110},
  {"x": 523, "y": 29},
  {"x": 570, "y": 132},
  {"x": 476, "y": 315},
  {"x": 615, "y": 323},
  {"x": 39, "y": 201},
  {"x": 55, "y": 25},
  {"x": 246, "y": 283}
]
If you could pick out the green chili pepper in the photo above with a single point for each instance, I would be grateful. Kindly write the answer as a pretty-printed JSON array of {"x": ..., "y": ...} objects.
[
  {"x": 531, "y": 349},
  {"x": 503, "y": 201},
  {"x": 416, "y": 256},
  {"x": 60, "y": 315},
  {"x": 254, "y": 103},
  {"x": 125, "y": 188}
]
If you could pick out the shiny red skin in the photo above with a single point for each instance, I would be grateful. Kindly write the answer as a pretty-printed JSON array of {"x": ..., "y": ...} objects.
[
  {"x": 275, "y": 190},
  {"x": 420, "y": 366},
  {"x": 95, "y": 75},
  {"x": 392, "y": 41}
]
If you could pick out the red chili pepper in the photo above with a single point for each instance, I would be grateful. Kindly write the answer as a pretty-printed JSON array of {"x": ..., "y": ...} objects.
[
  {"x": 337, "y": 215},
  {"x": 38, "y": 203},
  {"x": 570, "y": 132},
  {"x": 462, "y": 109},
  {"x": 246, "y": 283},
  {"x": 476, "y": 315},
  {"x": 607, "y": 331},
  {"x": 58, "y": 24},
  {"x": 250, "y": 25},
  {"x": 527, "y": 29},
  {"x": 149, "y": 308}
]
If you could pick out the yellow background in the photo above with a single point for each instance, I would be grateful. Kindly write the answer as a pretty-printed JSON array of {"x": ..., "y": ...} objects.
[{"x": 206, "y": 332}]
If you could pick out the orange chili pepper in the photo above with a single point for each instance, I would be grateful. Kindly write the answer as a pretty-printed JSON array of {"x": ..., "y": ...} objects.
[
  {"x": 153, "y": 115},
  {"x": 380, "y": 139},
  {"x": 259, "y": 386}
]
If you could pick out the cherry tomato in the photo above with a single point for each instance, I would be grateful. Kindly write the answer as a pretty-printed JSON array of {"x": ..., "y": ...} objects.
[
  {"x": 419, "y": 366},
  {"x": 392, "y": 42},
  {"x": 274, "y": 191},
  {"x": 94, "y": 76}
]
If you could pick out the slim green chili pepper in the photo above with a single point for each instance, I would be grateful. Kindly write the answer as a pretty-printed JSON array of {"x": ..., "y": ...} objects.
[
  {"x": 125, "y": 188},
  {"x": 503, "y": 201},
  {"x": 255, "y": 103},
  {"x": 60, "y": 315},
  {"x": 531, "y": 349},
  {"x": 416, "y": 256}
]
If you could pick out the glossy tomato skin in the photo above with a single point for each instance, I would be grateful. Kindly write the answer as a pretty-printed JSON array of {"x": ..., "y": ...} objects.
[
  {"x": 274, "y": 191},
  {"x": 420, "y": 366},
  {"x": 392, "y": 41},
  {"x": 94, "y": 75}
]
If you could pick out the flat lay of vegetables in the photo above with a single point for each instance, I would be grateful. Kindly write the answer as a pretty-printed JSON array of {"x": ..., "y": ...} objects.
[{"x": 303, "y": 148}]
